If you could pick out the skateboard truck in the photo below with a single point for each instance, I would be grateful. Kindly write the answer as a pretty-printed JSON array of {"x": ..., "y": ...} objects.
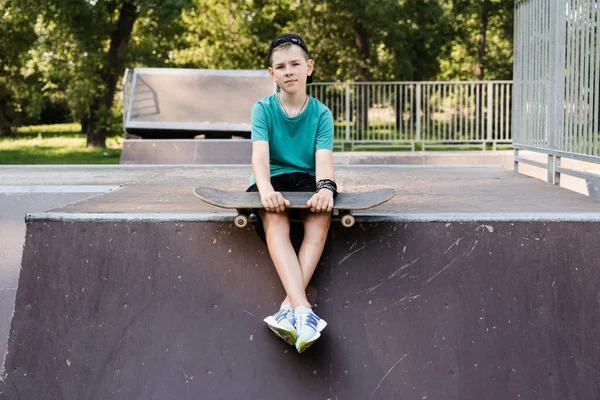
[{"x": 241, "y": 220}]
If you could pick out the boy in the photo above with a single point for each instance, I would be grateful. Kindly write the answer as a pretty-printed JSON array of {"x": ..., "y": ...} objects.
[{"x": 292, "y": 143}]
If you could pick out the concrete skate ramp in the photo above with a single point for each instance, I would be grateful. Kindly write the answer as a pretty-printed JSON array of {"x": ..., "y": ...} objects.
[
  {"x": 438, "y": 310},
  {"x": 15, "y": 203},
  {"x": 145, "y": 292},
  {"x": 186, "y": 151},
  {"x": 173, "y": 103},
  {"x": 173, "y": 310}
]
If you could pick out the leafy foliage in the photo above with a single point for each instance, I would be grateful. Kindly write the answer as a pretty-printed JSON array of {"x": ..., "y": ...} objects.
[
  {"x": 18, "y": 81},
  {"x": 67, "y": 56},
  {"x": 463, "y": 61},
  {"x": 83, "y": 47}
]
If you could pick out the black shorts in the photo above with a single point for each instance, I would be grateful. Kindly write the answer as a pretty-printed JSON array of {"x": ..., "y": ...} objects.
[{"x": 292, "y": 182}]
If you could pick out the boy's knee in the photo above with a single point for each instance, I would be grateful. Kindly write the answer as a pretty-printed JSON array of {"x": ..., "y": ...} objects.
[
  {"x": 318, "y": 221},
  {"x": 275, "y": 221}
]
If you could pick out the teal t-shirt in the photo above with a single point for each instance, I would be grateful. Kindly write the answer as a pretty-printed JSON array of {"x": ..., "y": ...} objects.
[{"x": 293, "y": 142}]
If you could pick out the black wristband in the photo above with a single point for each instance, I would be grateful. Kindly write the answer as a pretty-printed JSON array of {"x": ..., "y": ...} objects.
[{"x": 327, "y": 184}]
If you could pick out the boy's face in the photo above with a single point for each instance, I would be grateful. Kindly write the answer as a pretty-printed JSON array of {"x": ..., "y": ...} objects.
[{"x": 290, "y": 69}]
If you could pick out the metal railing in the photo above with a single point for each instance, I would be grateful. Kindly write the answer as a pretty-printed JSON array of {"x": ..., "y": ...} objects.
[
  {"x": 419, "y": 115},
  {"x": 407, "y": 115},
  {"x": 127, "y": 89},
  {"x": 556, "y": 78}
]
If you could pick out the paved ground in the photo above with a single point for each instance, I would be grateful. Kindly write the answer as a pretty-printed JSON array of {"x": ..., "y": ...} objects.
[{"x": 434, "y": 190}]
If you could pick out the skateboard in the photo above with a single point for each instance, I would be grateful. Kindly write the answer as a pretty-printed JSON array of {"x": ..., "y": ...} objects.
[{"x": 245, "y": 202}]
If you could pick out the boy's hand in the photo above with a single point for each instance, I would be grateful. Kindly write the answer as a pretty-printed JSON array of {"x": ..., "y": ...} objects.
[
  {"x": 321, "y": 201},
  {"x": 274, "y": 202}
]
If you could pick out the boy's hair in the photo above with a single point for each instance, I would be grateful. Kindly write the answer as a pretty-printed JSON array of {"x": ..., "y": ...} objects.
[
  {"x": 283, "y": 46},
  {"x": 286, "y": 40}
]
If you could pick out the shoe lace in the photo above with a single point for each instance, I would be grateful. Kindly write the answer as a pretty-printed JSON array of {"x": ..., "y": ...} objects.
[
  {"x": 285, "y": 314},
  {"x": 291, "y": 315},
  {"x": 308, "y": 319}
]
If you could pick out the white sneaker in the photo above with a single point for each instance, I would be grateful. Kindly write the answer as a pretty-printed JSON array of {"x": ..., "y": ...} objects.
[
  {"x": 282, "y": 323},
  {"x": 308, "y": 327}
]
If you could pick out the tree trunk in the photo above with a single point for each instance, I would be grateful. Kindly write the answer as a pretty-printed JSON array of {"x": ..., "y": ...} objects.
[
  {"x": 96, "y": 132},
  {"x": 84, "y": 124},
  {"x": 484, "y": 9},
  {"x": 417, "y": 77},
  {"x": 5, "y": 121},
  {"x": 100, "y": 110},
  {"x": 361, "y": 40},
  {"x": 399, "y": 109}
]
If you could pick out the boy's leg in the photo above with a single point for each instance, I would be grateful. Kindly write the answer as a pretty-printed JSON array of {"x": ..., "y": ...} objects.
[
  {"x": 308, "y": 324},
  {"x": 277, "y": 232},
  {"x": 316, "y": 228}
]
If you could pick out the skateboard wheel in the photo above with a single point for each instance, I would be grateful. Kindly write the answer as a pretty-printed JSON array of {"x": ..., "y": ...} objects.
[
  {"x": 241, "y": 221},
  {"x": 348, "y": 220}
]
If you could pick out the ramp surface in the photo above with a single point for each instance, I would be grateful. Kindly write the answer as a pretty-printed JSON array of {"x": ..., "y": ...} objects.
[
  {"x": 185, "y": 151},
  {"x": 15, "y": 203},
  {"x": 170, "y": 103},
  {"x": 437, "y": 310},
  {"x": 471, "y": 283}
]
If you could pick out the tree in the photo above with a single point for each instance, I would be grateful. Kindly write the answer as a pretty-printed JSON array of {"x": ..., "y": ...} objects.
[
  {"x": 384, "y": 40},
  {"x": 233, "y": 34},
  {"x": 74, "y": 52},
  {"x": 472, "y": 55},
  {"x": 18, "y": 36},
  {"x": 427, "y": 33},
  {"x": 99, "y": 34}
]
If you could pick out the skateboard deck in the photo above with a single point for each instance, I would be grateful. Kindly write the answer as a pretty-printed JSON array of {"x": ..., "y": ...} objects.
[{"x": 245, "y": 202}]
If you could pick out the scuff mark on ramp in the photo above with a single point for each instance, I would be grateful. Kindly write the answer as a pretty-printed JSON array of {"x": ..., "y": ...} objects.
[
  {"x": 351, "y": 254},
  {"x": 441, "y": 270},
  {"x": 385, "y": 376}
]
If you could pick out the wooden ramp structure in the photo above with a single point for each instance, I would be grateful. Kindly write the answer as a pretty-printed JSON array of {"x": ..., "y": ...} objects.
[{"x": 470, "y": 283}]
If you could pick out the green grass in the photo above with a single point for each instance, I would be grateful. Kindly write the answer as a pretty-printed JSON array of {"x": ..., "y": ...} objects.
[
  {"x": 65, "y": 144},
  {"x": 48, "y": 130},
  {"x": 56, "y": 144}
]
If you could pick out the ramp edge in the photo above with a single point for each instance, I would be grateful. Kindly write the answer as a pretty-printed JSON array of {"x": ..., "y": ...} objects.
[{"x": 361, "y": 218}]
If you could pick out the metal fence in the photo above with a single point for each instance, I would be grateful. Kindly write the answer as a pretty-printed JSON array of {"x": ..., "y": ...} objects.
[
  {"x": 408, "y": 115},
  {"x": 556, "y": 78},
  {"x": 419, "y": 115},
  {"x": 127, "y": 92}
]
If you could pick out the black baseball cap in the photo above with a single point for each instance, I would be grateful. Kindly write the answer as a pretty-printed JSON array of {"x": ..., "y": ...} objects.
[{"x": 290, "y": 38}]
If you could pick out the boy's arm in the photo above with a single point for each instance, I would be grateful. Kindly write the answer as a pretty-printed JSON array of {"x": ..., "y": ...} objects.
[
  {"x": 271, "y": 200},
  {"x": 323, "y": 199},
  {"x": 324, "y": 165}
]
